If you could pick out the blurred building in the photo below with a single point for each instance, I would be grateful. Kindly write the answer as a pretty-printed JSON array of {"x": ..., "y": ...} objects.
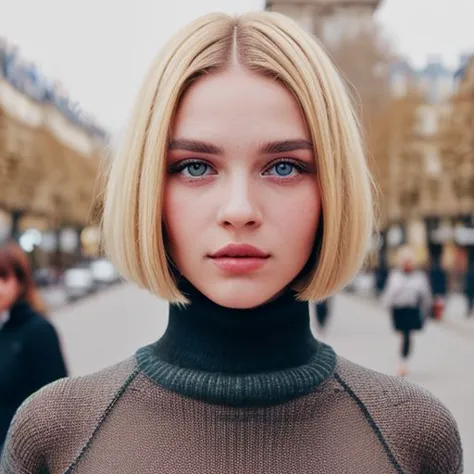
[
  {"x": 434, "y": 85},
  {"x": 435, "y": 219},
  {"x": 423, "y": 204},
  {"x": 329, "y": 20},
  {"x": 49, "y": 158}
]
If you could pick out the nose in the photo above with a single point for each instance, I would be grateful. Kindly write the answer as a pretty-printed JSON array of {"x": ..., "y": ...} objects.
[{"x": 239, "y": 207}]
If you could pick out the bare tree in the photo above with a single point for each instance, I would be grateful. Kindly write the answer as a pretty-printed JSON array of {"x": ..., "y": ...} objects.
[
  {"x": 389, "y": 123},
  {"x": 457, "y": 142}
]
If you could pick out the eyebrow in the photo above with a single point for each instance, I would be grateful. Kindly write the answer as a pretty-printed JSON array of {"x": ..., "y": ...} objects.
[
  {"x": 286, "y": 145},
  {"x": 267, "y": 148},
  {"x": 195, "y": 145}
]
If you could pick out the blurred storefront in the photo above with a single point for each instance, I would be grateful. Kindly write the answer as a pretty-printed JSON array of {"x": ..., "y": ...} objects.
[{"x": 49, "y": 164}]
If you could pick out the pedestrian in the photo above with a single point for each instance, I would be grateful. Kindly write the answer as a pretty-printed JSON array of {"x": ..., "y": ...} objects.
[
  {"x": 322, "y": 310},
  {"x": 439, "y": 288},
  {"x": 240, "y": 193},
  {"x": 381, "y": 275},
  {"x": 408, "y": 296},
  {"x": 30, "y": 355},
  {"x": 469, "y": 289}
]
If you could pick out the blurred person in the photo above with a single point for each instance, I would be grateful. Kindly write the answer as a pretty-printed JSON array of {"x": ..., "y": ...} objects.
[
  {"x": 34, "y": 295},
  {"x": 469, "y": 289},
  {"x": 241, "y": 192},
  {"x": 381, "y": 275},
  {"x": 322, "y": 311},
  {"x": 408, "y": 297},
  {"x": 30, "y": 354},
  {"x": 439, "y": 289}
]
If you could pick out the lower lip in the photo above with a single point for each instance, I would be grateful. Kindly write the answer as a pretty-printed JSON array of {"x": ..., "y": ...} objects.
[{"x": 239, "y": 265}]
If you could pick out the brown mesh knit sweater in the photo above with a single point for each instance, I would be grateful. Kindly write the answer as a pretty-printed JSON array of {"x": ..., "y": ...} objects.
[{"x": 233, "y": 391}]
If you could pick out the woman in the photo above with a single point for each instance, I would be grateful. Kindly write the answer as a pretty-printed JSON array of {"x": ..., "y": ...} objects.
[
  {"x": 240, "y": 193},
  {"x": 408, "y": 296},
  {"x": 30, "y": 356}
]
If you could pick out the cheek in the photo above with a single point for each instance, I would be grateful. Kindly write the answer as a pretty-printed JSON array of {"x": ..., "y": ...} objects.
[
  {"x": 184, "y": 217},
  {"x": 9, "y": 291},
  {"x": 172, "y": 216},
  {"x": 299, "y": 216}
]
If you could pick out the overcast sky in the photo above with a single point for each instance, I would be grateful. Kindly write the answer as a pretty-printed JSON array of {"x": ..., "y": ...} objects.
[{"x": 100, "y": 49}]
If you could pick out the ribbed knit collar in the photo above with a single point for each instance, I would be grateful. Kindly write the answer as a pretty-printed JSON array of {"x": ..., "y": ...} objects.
[{"x": 252, "y": 357}]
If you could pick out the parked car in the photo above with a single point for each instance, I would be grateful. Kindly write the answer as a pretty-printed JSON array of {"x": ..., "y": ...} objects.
[
  {"x": 44, "y": 277},
  {"x": 103, "y": 272},
  {"x": 79, "y": 281}
]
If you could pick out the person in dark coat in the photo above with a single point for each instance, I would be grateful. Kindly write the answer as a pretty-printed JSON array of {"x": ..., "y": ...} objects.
[
  {"x": 30, "y": 353},
  {"x": 469, "y": 289},
  {"x": 439, "y": 289},
  {"x": 438, "y": 280},
  {"x": 381, "y": 275},
  {"x": 322, "y": 310}
]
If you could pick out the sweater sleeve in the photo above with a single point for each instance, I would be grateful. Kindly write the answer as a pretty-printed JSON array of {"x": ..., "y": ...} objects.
[
  {"x": 23, "y": 451},
  {"x": 44, "y": 354},
  {"x": 441, "y": 443},
  {"x": 53, "y": 424},
  {"x": 418, "y": 429}
]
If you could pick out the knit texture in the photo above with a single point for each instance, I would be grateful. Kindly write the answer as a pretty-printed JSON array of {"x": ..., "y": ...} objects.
[
  {"x": 238, "y": 357},
  {"x": 119, "y": 421},
  {"x": 240, "y": 390},
  {"x": 233, "y": 392}
]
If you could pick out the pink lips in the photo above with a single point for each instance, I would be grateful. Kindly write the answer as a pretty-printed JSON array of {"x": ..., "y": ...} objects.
[{"x": 239, "y": 258}]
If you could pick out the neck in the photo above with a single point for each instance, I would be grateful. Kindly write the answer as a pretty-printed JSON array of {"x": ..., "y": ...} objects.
[
  {"x": 250, "y": 357},
  {"x": 209, "y": 337}
]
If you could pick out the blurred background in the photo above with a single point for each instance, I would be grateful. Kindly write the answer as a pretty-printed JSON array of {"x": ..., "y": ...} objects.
[{"x": 69, "y": 72}]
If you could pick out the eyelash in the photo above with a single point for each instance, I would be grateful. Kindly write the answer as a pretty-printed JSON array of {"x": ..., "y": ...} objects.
[{"x": 182, "y": 165}]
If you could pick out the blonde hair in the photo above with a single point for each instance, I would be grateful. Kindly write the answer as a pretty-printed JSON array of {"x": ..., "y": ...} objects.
[{"x": 275, "y": 46}]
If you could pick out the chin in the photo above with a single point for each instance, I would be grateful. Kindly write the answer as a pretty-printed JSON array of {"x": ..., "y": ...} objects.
[{"x": 239, "y": 294}]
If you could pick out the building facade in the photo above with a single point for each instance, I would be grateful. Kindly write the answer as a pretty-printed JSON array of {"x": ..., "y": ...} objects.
[
  {"x": 329, "y": 20},
  {"x": 49, "y": 157},
  {"x": 423, "y": 205},
  {"x": 438, "y": 218}
]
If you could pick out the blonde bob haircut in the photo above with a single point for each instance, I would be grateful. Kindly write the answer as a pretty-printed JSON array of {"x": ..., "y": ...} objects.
[{"x": 275, "y": 46}]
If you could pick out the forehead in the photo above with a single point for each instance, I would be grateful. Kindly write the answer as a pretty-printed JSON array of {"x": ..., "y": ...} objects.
[{"x": 239, "y": 105}]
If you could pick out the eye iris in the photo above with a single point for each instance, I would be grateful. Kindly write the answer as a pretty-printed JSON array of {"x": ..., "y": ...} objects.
[
  {"x": 197, "y": 169},
  {"x": 284, "y": 169}
]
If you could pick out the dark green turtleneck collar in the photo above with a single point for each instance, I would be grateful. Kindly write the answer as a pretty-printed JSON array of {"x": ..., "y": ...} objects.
[{"x": 252, "y": 357}]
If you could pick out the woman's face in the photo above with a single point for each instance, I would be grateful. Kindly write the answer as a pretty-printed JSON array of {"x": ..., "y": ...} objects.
[
  {"x": 241, "y": 172},
  {"x": 10, "y": 290}
]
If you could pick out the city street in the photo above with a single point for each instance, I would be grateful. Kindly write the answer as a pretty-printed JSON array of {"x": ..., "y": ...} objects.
[{"x": 110, "y": 326}]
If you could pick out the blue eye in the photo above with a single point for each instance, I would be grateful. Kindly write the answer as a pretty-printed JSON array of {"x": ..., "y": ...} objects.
[
  {"x": 284, "y": 169},
  {"x": 196, "y": 169},
  {"x": 191, "y": 168}
]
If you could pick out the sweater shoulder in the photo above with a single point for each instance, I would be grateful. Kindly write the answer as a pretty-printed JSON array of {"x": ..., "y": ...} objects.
[
  {"x": 416, "y": 426},
  {"x": 61, "y": 416}
]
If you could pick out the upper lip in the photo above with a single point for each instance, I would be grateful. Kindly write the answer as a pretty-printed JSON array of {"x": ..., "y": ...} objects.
[{"x": 239, "y": 250}]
